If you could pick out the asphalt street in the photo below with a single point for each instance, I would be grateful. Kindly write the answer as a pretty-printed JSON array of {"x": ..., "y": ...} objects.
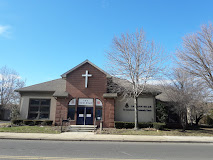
[{"x": 27, "y": 149}]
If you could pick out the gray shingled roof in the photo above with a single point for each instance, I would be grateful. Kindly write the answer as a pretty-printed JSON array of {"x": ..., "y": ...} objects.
[
  {"x": 57, "y": 86},
  {"x": 117, "y": 85}
]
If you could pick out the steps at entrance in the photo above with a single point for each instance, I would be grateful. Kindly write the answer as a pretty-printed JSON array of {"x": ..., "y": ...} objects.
[{"x": 82, "y": 128}]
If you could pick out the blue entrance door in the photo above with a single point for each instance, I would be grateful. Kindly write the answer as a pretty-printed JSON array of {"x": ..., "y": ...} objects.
[{"x": 85, "y": 115}]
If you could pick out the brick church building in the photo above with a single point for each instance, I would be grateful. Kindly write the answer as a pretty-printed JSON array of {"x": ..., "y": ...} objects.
[{"x": 82, "y": 96}]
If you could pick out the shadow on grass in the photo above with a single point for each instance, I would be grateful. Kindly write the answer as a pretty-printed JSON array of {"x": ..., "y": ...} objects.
[{"x": 207, "y": 130}]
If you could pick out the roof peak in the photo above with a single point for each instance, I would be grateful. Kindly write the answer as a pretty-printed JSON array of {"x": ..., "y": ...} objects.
[{"x": 82, "y": 63}]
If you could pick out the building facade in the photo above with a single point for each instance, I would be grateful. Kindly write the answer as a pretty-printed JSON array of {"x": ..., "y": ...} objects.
[{"x": 82, "y": 97}]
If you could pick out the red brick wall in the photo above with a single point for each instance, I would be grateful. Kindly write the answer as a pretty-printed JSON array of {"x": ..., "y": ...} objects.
[
  {"x": 97, "y": 86},
  {"x": 61, "y": 110},
  {"x": 109, "y": 113}
]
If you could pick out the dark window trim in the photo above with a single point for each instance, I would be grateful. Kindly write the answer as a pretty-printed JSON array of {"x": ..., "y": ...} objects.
[
  {"x": 39, "y": 108},
  {"x": 98, "y": 108},
  {"x": 72, "y": 106}
]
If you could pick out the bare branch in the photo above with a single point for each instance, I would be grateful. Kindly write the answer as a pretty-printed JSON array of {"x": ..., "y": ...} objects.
[
  {"x": 135, "y": 60},
  {"x": 9, "y": 81},
  {"x": 196, "y": 54}
]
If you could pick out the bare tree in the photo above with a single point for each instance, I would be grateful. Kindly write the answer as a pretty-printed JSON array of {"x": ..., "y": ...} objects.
[
  {"x": 137, "y": 60},
  {"x": 199, "y": 110},
  {"x": 196, "y": 54},
  {"x": 9, "y": 81},
  {"x": 188, "y": 96}
]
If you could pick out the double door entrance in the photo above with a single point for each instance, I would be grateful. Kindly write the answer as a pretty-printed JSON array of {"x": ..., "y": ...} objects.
[{"x": 85, "y": 115}]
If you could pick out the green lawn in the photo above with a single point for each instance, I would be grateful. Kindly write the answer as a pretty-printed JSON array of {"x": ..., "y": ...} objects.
[
  {"x": 203, "y": 131},
  {"x": 169, "y": 132},
  {"x": 30, "y": 129}
]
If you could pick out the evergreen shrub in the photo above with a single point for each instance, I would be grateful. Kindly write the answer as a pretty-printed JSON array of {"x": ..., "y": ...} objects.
[
  {"x": 17, "y": 121},
  {"x": 47, "y": 123},
  {"x": 128, "y": 125},
  {"x": 29, "y": 122},
  {"x": 38, "y": 122}
]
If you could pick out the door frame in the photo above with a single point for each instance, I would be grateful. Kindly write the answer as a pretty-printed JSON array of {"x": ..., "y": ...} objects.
[{"x": 84, "y": 115}]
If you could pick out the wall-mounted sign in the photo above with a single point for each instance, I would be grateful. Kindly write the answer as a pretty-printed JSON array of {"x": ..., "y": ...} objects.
[
  {"x": 72, "y": 102},
  {"x": 81, "y": 115},
  {"x": 85, "y": 101},
  {"x": 88, "y": 115},
  {"x": 140, "y": 108},
  {"x": 126, "y": 105},
  {"x": 98, "y": 102}
]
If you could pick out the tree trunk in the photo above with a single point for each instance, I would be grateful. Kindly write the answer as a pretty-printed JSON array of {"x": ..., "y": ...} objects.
[
  {"x": 1, "y": 96},
  {"x": 198, "y": 119},
  {"x": 184, "y": 121},
  {"x": 136, "y": 112}
]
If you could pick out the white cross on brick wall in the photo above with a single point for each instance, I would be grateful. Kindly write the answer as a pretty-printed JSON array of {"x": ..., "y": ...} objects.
[{"x": 86, "y": 77}]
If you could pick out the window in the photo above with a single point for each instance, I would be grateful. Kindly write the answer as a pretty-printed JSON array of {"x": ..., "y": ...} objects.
[
  {"x": 98, "y": 109},
  {"x": 39, "y": 109},
  {"x": 71, "y": 109}
]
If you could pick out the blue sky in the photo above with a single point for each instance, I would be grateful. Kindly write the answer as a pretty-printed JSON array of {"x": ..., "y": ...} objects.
[{"x": 42, "y": 39}]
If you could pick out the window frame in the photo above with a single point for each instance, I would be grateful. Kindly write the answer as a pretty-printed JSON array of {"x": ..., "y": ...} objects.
[
  {"x": 71, "y": 106},
  {"x": 39, "y": 111},
  {"x": 98, "y": 108}
]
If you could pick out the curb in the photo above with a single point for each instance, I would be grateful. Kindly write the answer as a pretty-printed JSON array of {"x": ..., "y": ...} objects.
[{"x": 99, "y": 140}]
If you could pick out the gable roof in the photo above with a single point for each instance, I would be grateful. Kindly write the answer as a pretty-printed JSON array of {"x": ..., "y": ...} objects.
[
  {"x": 81, "y": 64},
  {"x": 58, "y": 86},
  {"x": 118, "y": 85}
]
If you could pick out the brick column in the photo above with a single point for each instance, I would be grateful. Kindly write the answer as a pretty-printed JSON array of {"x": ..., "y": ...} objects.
[
  {"x": 109, "y": 113},
  {"x": 61, "y": 110}
]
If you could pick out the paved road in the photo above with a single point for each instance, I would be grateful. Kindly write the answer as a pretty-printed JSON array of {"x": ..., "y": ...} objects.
[{"x": 52, "y": 150}]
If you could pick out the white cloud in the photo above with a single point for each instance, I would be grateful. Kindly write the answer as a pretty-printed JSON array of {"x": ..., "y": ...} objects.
[{"x": 4, "y": 30}]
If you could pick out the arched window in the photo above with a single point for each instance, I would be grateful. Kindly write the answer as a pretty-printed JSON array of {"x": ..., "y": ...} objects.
[
  {"x": 71, "y": 109},
  {"x": 98, "y": 109}
]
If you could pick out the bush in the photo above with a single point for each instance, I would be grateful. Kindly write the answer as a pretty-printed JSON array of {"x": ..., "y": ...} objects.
[
  {"x": 119, "y": 125},
  {"x": 145, "y": 125},
  {"x": 127, "y": 125},
  {"x": 158, "y": 126},
  {"x": 17, "y": 121},
  {"x": 162, "y": 112},
  {"x": 47, "y": 123},
  {"x": 15, "y": 112},
  {"x": 209, "y": 120},
  {"x": 29, "y": 122},
  {"x": 38, "y": 122}
]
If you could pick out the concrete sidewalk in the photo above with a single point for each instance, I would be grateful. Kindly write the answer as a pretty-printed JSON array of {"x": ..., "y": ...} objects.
[{"x": 87, "y": 136}]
